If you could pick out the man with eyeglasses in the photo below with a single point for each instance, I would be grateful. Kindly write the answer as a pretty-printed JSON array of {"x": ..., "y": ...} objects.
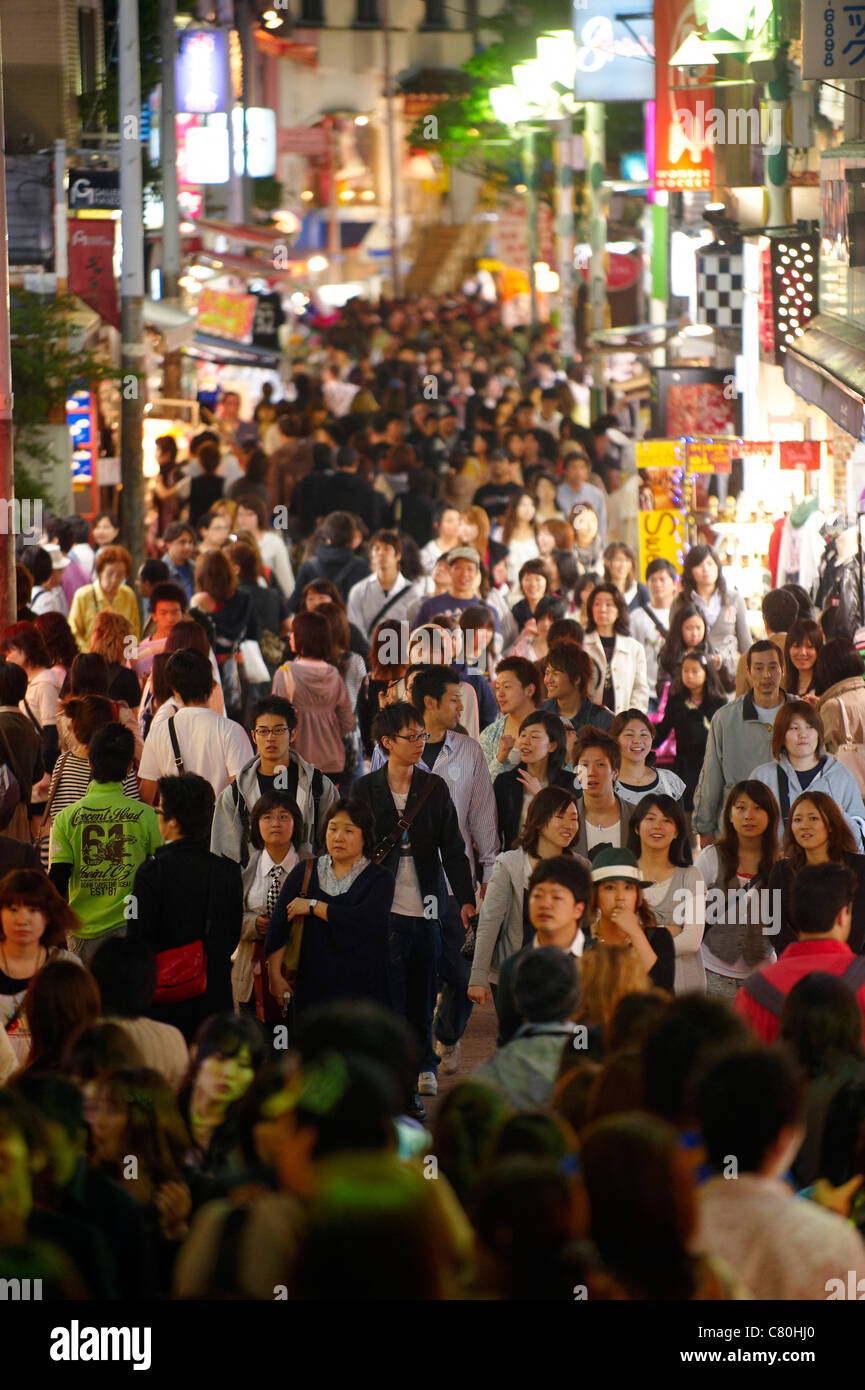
[
  {"x": 431, "y": 847},
  {"x": 276, "y": 767}
]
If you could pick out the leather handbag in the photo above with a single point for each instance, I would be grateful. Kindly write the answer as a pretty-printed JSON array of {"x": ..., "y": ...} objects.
[
  {"x": 181, "y": 972},
  {"x": 291, "y": 954}
]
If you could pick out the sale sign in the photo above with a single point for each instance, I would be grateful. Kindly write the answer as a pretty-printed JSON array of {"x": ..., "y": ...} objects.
[
  {"x": 710, "y": 456},
  {"x": 803, "y": 455}
]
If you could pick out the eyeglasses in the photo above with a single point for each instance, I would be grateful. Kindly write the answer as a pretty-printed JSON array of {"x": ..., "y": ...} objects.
[
  {"x": 277, "y": 732},
  {"x": 415, "y": 738}
]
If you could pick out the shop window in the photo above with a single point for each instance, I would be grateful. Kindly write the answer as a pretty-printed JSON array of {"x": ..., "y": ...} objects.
[
  {"x": 367, "y": 14},
  {"x": 435, "y": 16},
  {"x": 311, "y": 12},
  {"x": 856, "y": 217}
]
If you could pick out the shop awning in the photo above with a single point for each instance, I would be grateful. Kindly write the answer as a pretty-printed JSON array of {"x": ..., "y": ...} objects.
[
  {"x": 176, "y": 326},
  {"x": 208, "y": 349},
  {"x": 827, "y": 368},
  {"x": 313, "y": 233}
]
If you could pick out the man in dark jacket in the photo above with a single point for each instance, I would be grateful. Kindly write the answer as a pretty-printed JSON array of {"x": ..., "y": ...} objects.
[
  {"x": 183, "y": 894},
  {"x": 348, "y": 492},
  {"x": 429, "y": 848},
  {"x": 335, "y": 560}
]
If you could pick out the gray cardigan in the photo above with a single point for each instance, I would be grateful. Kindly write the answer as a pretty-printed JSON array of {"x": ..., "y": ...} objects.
[{"x": 499, "y": 931}]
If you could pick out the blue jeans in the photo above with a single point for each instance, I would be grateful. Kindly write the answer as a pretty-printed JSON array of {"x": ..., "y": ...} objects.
[
  {"x": 414, "y": 948},
  {"x": 455, "y": 1007}
]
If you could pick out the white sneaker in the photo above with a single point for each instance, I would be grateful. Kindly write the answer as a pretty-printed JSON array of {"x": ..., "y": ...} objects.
[
  {"x": 450, "y": 1056},
  {"x": 427, "y": 1084}
]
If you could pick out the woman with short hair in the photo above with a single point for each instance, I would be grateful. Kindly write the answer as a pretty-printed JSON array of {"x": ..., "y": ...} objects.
[
  {"x": 329, "y": 939},
  {"x": 801, "y": 764},
  {"x": 109, "y": 590}
]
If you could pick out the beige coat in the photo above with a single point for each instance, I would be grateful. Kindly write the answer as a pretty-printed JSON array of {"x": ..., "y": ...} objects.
[{"x": 852, "y": 692}]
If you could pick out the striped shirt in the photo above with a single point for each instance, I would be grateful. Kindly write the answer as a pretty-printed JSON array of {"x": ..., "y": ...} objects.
[
  {"x": 463, "y": 768},
  {"x": 74, "y": 778}
]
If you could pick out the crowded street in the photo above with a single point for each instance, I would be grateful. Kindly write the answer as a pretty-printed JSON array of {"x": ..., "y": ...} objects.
[{"x": 432, "y": 694}]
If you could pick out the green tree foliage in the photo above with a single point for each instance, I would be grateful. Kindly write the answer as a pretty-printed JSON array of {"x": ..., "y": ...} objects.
[{"x": 45, "y": 368}]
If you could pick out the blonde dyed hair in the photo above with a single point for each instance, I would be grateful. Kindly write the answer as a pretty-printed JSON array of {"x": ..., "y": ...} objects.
[
  {"x": 109, "y": 636},
  {"x": 607, "y": 974}
]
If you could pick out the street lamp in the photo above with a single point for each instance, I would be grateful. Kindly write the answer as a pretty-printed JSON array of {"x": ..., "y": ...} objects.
[{"x": 512, "y": 109}]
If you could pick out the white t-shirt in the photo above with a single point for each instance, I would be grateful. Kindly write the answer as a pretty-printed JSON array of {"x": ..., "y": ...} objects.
[
  {"x": 211, "y": 745},
  {"x": 407, "y": 899},
  {"x": 604, "y": 835}
]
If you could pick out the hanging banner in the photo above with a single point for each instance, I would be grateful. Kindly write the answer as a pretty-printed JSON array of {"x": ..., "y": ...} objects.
[
  {"x": 662, "y": 537},
  {"x": 226, "y": 315},
  {"x": 802, "y": 455},
  {"x": 710, "y": 456},
  {"x": 683, "y": 151},
  {"x": 660, "y": 453},
  {"x": 91, "y": 267}
]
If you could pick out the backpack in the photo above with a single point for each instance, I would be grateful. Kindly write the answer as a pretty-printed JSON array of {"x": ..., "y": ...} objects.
[{"x": 316, "y": 787}]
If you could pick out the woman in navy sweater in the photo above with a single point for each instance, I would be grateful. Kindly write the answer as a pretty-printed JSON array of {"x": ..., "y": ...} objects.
[{"x": 346, "y": 909}]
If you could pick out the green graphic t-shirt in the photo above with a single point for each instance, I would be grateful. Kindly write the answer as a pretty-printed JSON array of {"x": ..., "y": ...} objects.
[{"x": 104, "y": 836}]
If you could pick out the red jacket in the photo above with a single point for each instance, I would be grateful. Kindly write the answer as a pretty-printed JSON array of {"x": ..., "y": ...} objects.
[{"x": 800, "y": 958}]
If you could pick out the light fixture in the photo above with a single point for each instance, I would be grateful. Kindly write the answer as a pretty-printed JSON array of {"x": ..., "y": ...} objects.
[
  {"x": 520, "y": 188},
  {"x": 532, "y": 83},
  {"x": 508, "y": 105},
  {"x": 316, "y": 264},
  {"x": 367, "y": 196},
  {"x": 347, "y": 195},
  {"x": 361, "y": 120},
  {"x": 271, "y": 20},
  {"x": 307, "y": 195},
  {"x": 697, "y": 330},
  {"x": 694, "y": 53},
  {"x": 557, "y": 54}
]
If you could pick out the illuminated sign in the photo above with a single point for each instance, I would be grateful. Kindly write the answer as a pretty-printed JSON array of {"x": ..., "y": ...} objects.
[
  {"x": 201, "y": 71},
  {"x": 615, "y": 60}
]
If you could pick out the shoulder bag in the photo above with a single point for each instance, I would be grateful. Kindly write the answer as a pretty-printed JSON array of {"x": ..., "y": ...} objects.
[
  {"x": 291, "y": 954},
  {"x": 10, "y": 787},
  {"x": 178, "y": 758},
  {"x": 851, "y": 754},
  {"x": 389, "y": 842},
  {"x": 181, "y": 972},
  {"x": 45, "y": 823}
]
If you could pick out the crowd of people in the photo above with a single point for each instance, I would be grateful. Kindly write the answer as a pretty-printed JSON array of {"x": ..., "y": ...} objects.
[{"x": 387, "y": 729}]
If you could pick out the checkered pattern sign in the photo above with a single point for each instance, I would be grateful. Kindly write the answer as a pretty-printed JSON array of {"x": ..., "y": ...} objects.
[{"x": 719, "y": 286}]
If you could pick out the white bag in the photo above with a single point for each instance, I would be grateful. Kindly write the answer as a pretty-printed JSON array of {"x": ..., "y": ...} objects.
[{"x": 254, "y": 664}]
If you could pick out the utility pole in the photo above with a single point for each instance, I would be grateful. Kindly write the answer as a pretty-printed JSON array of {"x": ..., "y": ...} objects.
[
  {"x": 596, "y": 158},
  {"x": 565, "y": 237},
  {"x": 170, "y": 210},
  {"x": 396, "y": 279},
  {"x": 8, "y": 597},
  {"x": 131, "y": 286},
  {"x": 530, "y": 166}
]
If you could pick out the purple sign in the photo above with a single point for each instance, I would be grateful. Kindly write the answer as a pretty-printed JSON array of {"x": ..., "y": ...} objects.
[{"x": 201, "y": 71}]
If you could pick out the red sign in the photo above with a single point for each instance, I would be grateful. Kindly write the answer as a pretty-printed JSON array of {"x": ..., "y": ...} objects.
[
  {"x": 91, "y": 266},
  {"x": 710, "y": 456},
  {"x": 800, "y": 454},
  {"x": 683, "y": 153},
  {"x": 622, "y": 271}
]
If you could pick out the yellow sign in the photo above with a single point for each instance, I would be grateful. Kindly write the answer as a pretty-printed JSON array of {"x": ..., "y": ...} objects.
[
  {"x": 662, "y": 537},
  {"x": 660, "y": 453},
  {"x": 710, "y": 456}
]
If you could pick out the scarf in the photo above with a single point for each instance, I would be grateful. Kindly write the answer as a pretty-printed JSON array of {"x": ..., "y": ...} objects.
[{"x": 329, "y": 883}]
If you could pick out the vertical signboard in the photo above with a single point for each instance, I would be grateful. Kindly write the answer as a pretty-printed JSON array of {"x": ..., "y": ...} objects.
[{"x": 683, "y": 150}]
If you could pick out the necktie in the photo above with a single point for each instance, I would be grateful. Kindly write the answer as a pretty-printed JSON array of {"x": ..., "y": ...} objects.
[{"x": 274, "y": 888}]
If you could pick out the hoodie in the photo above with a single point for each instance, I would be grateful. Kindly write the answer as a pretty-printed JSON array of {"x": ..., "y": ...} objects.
[
  {"x": 338, "y": 564},
  {"x": 313, "y": 793},
  {"x": 324, "y": 713}
]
